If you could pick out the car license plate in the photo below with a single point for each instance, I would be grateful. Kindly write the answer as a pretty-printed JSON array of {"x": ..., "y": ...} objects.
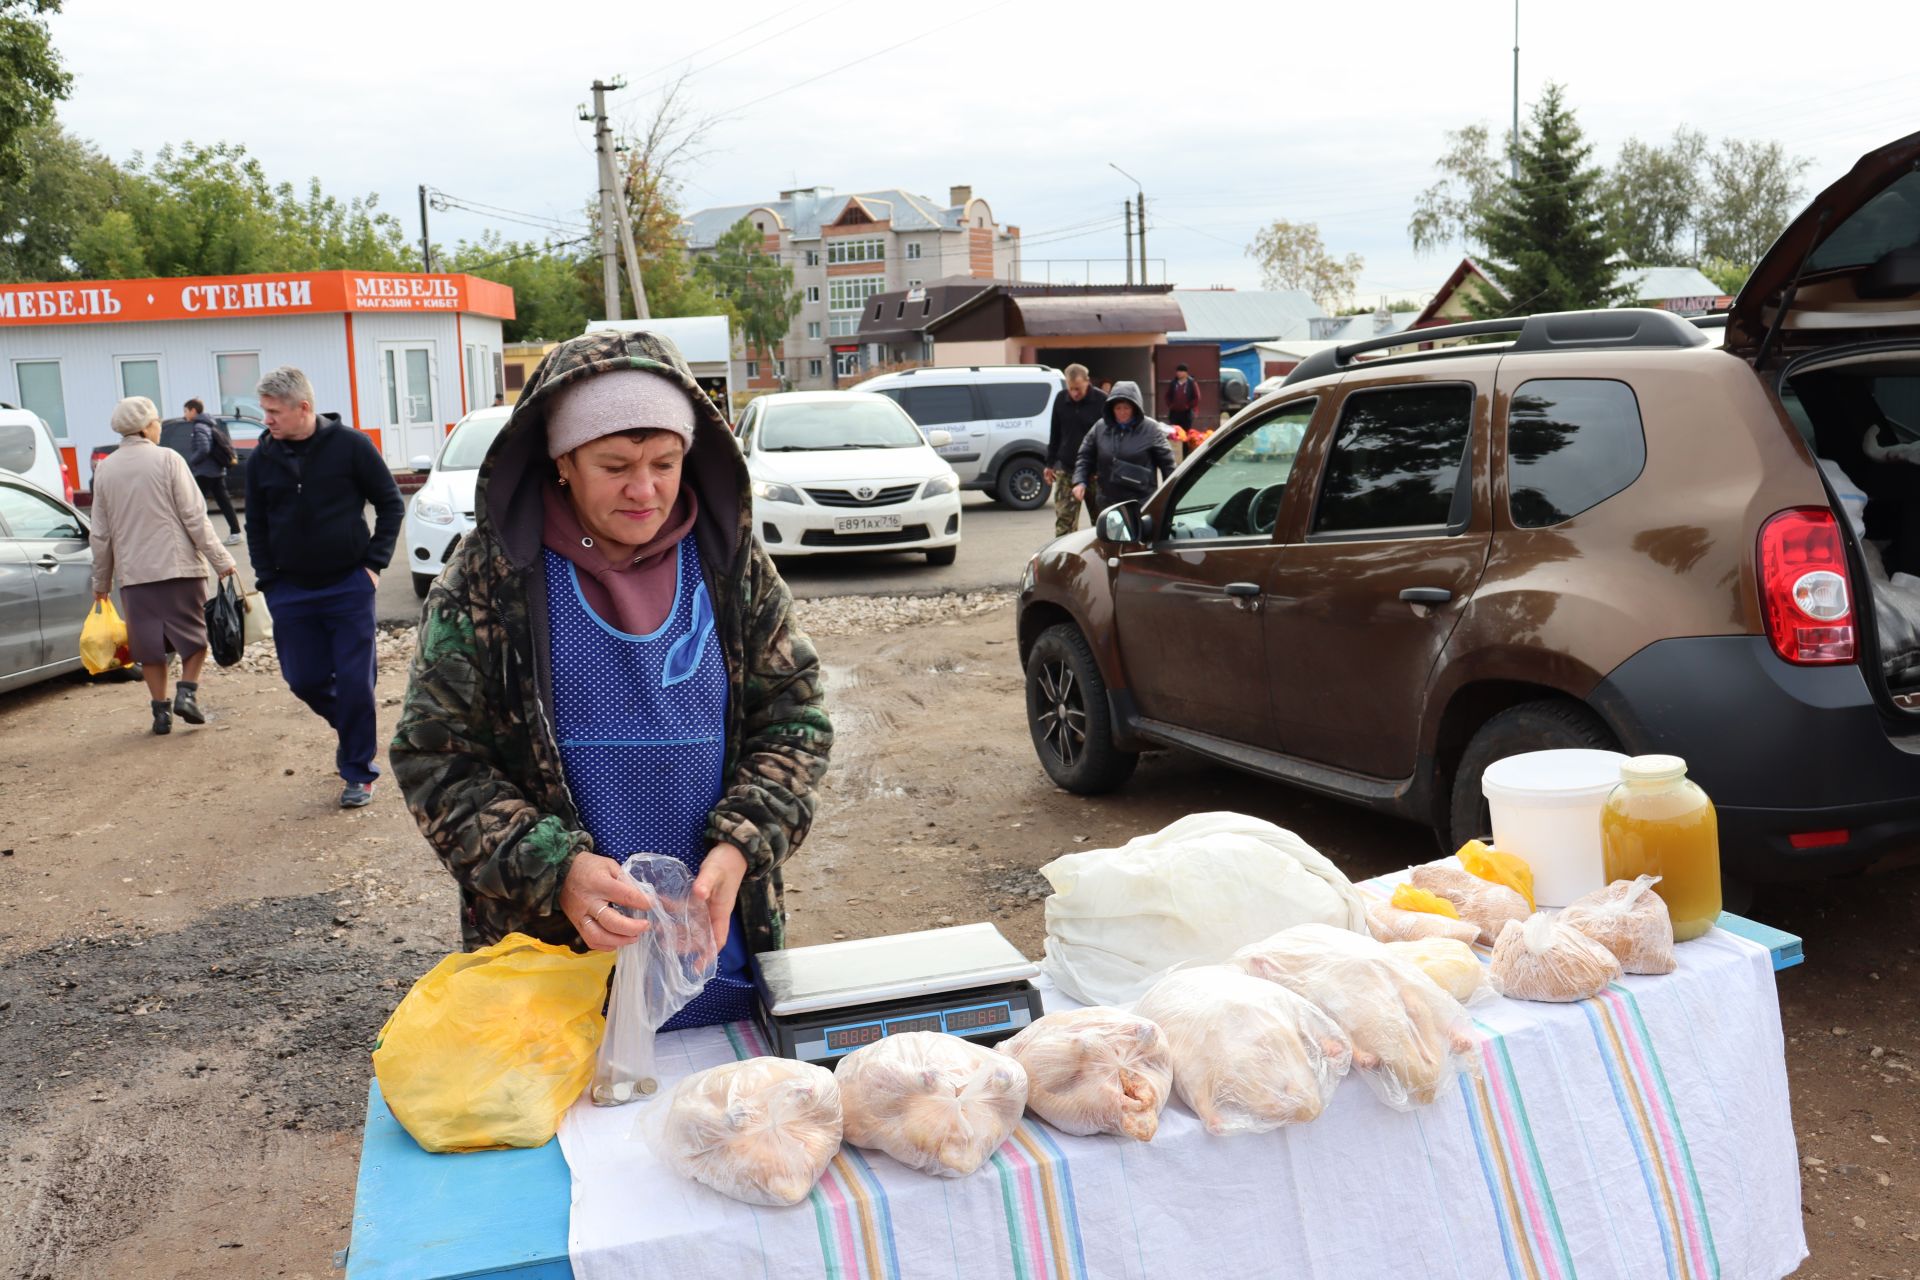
[{"x": 865, "y": 524}]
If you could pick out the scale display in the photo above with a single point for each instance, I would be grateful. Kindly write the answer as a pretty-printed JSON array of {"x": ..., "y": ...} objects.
[{"x": 830, "y": 1035}]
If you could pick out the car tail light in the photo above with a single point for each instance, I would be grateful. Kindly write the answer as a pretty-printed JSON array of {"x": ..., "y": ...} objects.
[{"x": 1804, "y": 590}]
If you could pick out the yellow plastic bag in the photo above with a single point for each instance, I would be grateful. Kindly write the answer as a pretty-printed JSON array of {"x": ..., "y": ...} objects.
[
  {"x": 103, "y": 640},
  {"x": 1509, "y": 869},
  {"x": 1408, "y": 898},
  {"x": 491, "y": 1047}
]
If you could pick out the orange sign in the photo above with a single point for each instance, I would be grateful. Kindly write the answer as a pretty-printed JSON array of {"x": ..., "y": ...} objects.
[{"x": 201, "y": 297}]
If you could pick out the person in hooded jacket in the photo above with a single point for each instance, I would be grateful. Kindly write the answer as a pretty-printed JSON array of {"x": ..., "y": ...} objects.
[
  {"x": 610, "y": 664},
  {"x": 1125, "y": 457}
]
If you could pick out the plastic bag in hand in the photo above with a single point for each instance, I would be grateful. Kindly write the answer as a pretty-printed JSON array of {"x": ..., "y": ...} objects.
[
  {"x": 1409, "y": 1037},
  {"x": 1483, "y": 904},
  {"x": 1544, "y": 959},
  {"x": 1248, "y": 1056},
  {"x": 654, "y": 977},
  {"x": 932, "y": 1101},
  {"x": 761, "y": 1131},
  {"x": 1452, "y": 965},
  {"x": 103, "y": 640},
  {"x": 1095, "y": 1070},
  {"x": 1630, "y": 920}
]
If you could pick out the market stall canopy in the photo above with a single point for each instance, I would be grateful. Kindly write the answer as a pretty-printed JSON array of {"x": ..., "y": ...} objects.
[{"x": 271, "y": 294}]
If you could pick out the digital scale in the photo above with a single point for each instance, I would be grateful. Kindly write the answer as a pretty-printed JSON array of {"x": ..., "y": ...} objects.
[{"x": 818, "y": 1004}]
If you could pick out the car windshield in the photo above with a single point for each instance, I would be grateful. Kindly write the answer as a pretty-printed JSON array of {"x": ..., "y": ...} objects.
[
  {"x": 243, "y": 429},
  {"x": 467, "y": 447},
  {"x": 837, "y": 424},
  {"x": 1889, "y": 221}
]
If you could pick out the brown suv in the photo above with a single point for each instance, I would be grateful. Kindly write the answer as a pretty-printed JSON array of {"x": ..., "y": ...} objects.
[{"x": 1604, "y": 531}]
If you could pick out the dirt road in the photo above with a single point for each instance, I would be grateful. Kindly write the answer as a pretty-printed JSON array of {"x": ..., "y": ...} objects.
[{"x": 197, "y": 947}]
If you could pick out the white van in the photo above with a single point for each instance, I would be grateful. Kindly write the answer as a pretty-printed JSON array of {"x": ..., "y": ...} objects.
[
  {"x": 998, "y": 416},
  {"x": 27, "y": 448}
]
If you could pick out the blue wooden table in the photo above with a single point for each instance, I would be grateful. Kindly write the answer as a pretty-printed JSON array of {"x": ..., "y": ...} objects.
[{"x": 418, "y": 1216}]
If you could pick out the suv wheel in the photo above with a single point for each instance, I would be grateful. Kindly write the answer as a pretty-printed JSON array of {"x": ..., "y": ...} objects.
[
  {"x": 422, "y": 583},
  {"x": 1547, "y": 725},
  {"x": 1068, "y": 717},
  {"x": 1022, "y": 484}
]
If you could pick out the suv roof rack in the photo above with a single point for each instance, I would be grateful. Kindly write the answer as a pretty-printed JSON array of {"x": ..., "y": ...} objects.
[{"x": 1547, "y": 331}]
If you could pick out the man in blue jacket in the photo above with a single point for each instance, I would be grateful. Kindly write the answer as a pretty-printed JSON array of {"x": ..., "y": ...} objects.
[{"x": 308, "y": 485}]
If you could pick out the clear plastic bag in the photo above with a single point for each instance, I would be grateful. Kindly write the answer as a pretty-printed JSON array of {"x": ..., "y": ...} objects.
[
  {"x": 761, "y": 1131},
  {"x": 1389, "y": 923},
  {"x": 1409, "y": 1038},
  {"x": 932, "y": 1101},
  {"x": 1545, "y": 959},
  {"x": 1452, "y": 965},
  {"x": 1630, "y": 920},
  {"x": 653, "y": 977},
  {"x": 1248, "y": 1056},
  {"x": 1483, "y": 904},
  {"x": 1095, "y": 1070}
]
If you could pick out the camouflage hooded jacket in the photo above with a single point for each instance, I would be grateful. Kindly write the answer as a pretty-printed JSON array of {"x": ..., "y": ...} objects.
[{"x": 476, "y": 752}]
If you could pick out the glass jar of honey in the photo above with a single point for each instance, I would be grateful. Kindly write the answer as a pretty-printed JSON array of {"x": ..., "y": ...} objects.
[{"x": 1657, "y": 823}]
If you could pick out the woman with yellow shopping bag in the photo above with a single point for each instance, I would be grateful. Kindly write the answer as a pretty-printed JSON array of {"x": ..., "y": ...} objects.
[{"x": 150, "y": 532}]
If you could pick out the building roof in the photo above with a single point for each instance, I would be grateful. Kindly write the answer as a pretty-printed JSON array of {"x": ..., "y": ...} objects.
[
  {"x": 1233, "y": 315},
  {"x": 1353, "y": 328},
  {"x": 890, "y": 317},
  {"x": 1051, "y": 311},
  {"x": 1467, "y": 269},
  {"x": 805, "y": 211},
  {"x": 1651, "y": 284}
]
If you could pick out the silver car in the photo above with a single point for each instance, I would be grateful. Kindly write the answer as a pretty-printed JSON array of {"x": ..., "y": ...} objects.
[{"x": 46, "y": 587}]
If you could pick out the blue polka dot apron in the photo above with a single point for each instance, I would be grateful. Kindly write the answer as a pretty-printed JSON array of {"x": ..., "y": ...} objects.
[{"x": 642, "y": 722}]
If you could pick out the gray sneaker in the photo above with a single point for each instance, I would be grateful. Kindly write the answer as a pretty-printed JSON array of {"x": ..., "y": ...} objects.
[{"x": 356, "y": 795}]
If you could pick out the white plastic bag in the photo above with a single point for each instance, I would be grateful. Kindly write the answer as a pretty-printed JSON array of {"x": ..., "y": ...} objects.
[
  {"x": 1452, "y": 965},
  {"x": 932, "y": 1101},
  {"x": 1630, "y": 920},
  {"x": 1410, "y": 1038},
  {"x": 761, "y": 1131},
  {"x": 1095, "y": 1070},
  {"x": 1544, "y": 959},
  {"x": 653, "y": 977},
  {"x": 1248, "y": 1055},
  {"x": 1121, "y": 919}
]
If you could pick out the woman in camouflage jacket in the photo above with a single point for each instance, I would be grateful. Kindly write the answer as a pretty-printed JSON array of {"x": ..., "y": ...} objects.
[{"x": 478, "y": 751}]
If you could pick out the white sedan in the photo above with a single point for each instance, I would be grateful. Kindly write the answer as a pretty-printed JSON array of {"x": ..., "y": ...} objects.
[
  {"x": 442, "y": 511},
  {"x": 847, "y": 471}
]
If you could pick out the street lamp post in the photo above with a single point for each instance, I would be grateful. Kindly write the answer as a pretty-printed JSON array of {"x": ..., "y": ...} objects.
[{"x": 1140, "y": 219}]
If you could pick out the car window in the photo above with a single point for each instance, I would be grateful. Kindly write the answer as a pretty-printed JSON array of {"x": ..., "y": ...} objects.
[
  {"x": 1572, "y": 443},
  {"x": 1891, "y": 220},
  {"x": 28, "y": 515},
  {"x": 1014, "y": 399},
  {"x": 936, "y": 406},
  {"x": 19, "y": 446},
  {"x": 467, "y": 446},
  {"x": 1397, "y": 459},
  {"x": 1238, "y": 490},
  {"x": 807, "y": 425}
]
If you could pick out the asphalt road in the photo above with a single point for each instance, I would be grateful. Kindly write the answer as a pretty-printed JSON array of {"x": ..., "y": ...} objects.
[{"x": 994, "y": 545}]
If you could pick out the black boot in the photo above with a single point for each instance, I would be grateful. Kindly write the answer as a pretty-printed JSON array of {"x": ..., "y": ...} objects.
[
  {"x": 162, "y": 717},
  {"x": 183, "y": 704}
]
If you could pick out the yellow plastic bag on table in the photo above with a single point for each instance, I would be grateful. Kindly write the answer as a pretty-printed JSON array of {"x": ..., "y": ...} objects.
[
  {"x": 103, "y": 640},
  {"x": 1408, "y": 898},
  {"x": 1490, "y": 864},
  {"x": 491, "y": 1047}
]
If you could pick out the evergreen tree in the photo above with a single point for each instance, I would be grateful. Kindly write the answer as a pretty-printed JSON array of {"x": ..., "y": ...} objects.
[{"x": 1546, "y": 234}]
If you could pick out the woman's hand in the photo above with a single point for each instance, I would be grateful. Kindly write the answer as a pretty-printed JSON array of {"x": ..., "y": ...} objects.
[
  {"x": 1079, "y": 493},
  {"x": 718, "y": 886},
  {"x": 594, "y": 884}
]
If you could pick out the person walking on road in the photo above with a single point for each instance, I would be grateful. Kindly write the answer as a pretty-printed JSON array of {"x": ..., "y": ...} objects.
[
  {"x": 308, "y": 485},
  {"x": 610, "y": 663},
  {"x": 1074, "y": 414},
  {"x": 1125, "y": 456},
  {"x": 1183, "y": 399},
  {"x": 149, "y": 529},
  {"x": 209, "y": 456}
]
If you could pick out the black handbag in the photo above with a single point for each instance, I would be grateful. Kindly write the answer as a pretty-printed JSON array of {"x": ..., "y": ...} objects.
[
  {"x": 1131, "y": 475},
  {"x": 226, "y": 631}
]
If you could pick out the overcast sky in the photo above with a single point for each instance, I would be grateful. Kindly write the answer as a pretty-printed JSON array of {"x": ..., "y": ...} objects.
[{"x": 1254, "y": 111}]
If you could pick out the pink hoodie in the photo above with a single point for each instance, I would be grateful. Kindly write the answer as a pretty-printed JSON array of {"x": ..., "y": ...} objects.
[{"x": 634, "y": 598}]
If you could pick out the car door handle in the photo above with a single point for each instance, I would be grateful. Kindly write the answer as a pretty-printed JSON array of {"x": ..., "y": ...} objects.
[
  {"x": 1426, "y": 595},
  {"x": 47, "y": 562},
  {"x": 1243, "y": 590}
]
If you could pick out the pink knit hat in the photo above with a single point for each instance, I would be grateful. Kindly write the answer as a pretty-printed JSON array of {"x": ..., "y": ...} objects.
[{"x": 621, "y": 400}]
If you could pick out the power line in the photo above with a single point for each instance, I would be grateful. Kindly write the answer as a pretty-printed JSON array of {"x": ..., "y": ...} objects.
[{"x": 749, "y": 48}]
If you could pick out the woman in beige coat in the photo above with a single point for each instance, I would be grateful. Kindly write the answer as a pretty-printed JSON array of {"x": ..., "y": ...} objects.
[{"x": 150, "y": 530}]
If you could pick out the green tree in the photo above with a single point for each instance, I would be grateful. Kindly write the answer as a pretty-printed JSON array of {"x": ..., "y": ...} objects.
[
  {"x": 1729, "y": 276},
  {"x": 1367, "y": 309},
  {"x": 31, "y": 80},
  {"x": 1292, "y": 256},
  {"x": 65, "y": 191},
  {"x": 1653, "y": 196},
  {"x": 1754, "y": 191},
  {"x": 551, "y": 300},
  {"x": 1447, "y": 214},
  {"x": 758, "y": 288},
  {"x": 1546, "y": 234}
]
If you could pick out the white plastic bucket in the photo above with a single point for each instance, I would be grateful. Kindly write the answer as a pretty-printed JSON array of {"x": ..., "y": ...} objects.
[{"x": 1546, "y": 808}]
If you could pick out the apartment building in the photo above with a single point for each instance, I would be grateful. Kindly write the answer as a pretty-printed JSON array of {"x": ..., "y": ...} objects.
[{"x": 844, "y": 249}]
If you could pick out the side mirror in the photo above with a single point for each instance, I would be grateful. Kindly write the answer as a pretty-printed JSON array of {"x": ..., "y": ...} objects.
[
  {"x": 1123, "y": 524},
  {"x": 421, "y": 464},
  {"x": 939, "y": 439}
]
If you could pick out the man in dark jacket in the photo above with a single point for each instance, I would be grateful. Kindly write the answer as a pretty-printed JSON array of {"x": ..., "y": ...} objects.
[
  {"x": 209, "y": 454},
  {"x": 1073, "y": 415},
  {"x": 308, "y": 485},
  {"x": 1124, "y": 457}
]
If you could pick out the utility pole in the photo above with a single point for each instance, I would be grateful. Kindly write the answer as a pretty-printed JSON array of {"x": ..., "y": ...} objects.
[
  {"x": 426, "y": 242},
  {"x": 1513, "y": 142},
  {"x": 1140, "y": 219},
  {"x": 603, "y": 162},
  {"x": 630, "y": 254},
  {"x": 1126, "y": 207}
]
